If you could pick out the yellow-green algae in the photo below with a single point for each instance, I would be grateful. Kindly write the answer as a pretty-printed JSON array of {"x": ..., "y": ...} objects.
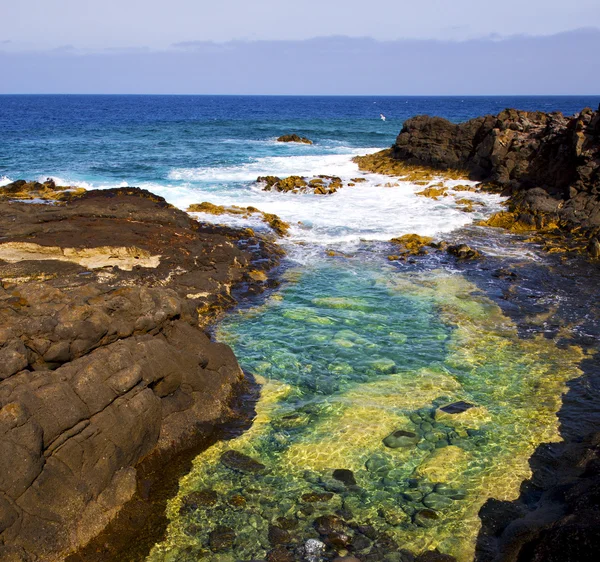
[{"x": 418, "y": 343}]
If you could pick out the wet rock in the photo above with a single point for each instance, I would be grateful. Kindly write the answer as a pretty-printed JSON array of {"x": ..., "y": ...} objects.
[
  {"x": 312, "y": 551},
  {"x": 426, "y": 518},
  {"x": 280, "y": 554},
  {"x": 360, "y": 542},
  {"x": 221, "y": 538},
  {"x": 368, "y": 531},
  {"x": 278, "y": 535},
  {"x": 401, "y": 438},
  {"x": 434, "y": 192},
  {"x": 314, "y": 497},
  {"x": 346, "y": 559},
  {"x": 594, "y": 248},
  {"x": 503, "y": 273},
  {"x": 241, "y": 463},
  {"x": 463, "y": 252},
  {"x": 287, "y": 523},
  {"x": 514, "y": 152},
  {"x": 434, "y": 556},
  {"x": 456, "y": 407},
  {"x": 199, "y": 499},
  {"x": 412, "y": 244},
  {"x": 237, "y": 501},
  {"x": 294, "y": 138},
  {"x": 436, "y": 501},
  {"x": 327, "y": 524},
  {"x": 344, "y": 475}
]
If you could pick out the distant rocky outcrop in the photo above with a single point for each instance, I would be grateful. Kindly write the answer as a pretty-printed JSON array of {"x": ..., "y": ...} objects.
[
  {"x": 319, "y": 185},
  {"x": 548, "y": 163},
  {"x": 294, "y": 138},
  {"x": 103, "y": 366}
]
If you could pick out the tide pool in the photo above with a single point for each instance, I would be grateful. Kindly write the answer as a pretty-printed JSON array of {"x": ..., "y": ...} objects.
[{"x": 350, "y": 352}]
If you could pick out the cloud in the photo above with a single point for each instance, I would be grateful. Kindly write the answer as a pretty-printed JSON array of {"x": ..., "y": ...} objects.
[{"x": 322, "y": 65}]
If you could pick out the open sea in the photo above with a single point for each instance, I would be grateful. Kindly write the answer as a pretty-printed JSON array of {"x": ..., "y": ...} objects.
[{"x": 353, "y": 347}]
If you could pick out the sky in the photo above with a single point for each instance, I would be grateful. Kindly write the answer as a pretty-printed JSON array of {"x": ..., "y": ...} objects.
[{"x": 307, "y": 47}]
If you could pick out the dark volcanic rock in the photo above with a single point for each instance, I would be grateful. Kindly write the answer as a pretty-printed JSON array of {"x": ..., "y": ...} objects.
[
  {"x": 344, "y": 475},
  {"x": 241, "y": 463},
  {"x": 221, "y": 538},
  {"x": 456, "y": 407},
  {"x": 548, "y": 163},
  {"x": 294, "y": 138},
  {"x": 103, "y": 368}
]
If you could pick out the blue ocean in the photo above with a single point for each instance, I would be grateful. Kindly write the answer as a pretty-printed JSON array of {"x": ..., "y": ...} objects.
[{"x": 354, "y": 346}]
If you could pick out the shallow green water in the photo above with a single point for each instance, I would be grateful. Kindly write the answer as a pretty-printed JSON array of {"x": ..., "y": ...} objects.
[{"x": 349, "y": 352}]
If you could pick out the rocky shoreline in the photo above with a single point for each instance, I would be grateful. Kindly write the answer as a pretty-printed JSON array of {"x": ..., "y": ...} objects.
[
  {"x": 105, "y": 371},
  {"x": 548, "y": 165}
]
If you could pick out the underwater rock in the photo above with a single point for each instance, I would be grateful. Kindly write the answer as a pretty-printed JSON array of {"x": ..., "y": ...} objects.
[
  {"x": 426, "y": 518},
  {"x": 456, "y": 407},
  {"x": 221, "y": 538},
  {"x": 327, "y": 524},
  {"x": 195, "y": 500},
  {"x": 280, "y": 554},
  {"x": 294, "y": 138},
  {"x": 314, "y": 497},
  {"x": 312, "y": 550},
  {"x": 454, "y": 493},
  {"x": 278, "y": 536},
  {"x": 378, "y": 464},
  {"x": 434, "y": 556},
  {"x": 401, "y": 438},
  {"x": 436, "y": 501},
  {"x": 241, "y": 463},
  {"x": 344, "y": 475}
]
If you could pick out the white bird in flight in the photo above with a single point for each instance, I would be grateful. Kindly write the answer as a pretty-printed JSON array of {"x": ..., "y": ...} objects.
[{"x": 382, "y": 116}]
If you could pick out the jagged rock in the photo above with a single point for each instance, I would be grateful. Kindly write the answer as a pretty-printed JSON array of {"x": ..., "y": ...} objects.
[
  {"x": 548, "y": 163},
  {"x": 413, "y": 244},
  {"x": 294, "y": 138},
  {"x": 321, "y": 185},
  {"x": 463, "y": 252}
]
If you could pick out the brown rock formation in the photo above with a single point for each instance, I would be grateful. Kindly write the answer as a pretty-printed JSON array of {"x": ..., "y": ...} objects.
[
  {"x": 548, "y": 163},
  {"x": 294, "y": 138},
  {"x": 102, "y": 365}
]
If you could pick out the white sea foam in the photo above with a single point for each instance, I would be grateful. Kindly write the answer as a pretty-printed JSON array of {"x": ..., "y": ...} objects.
[
  {"x": 306, "y": 165},
  {"x": 5, "y": 181},
  {"x": 366, "y": 211}
]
